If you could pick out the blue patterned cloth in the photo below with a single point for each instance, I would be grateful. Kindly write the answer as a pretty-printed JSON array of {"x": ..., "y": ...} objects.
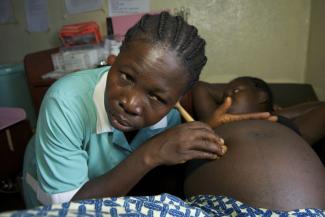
[
  {"x": 160, "y": 205},
  {"x": 227, "y": 206}
]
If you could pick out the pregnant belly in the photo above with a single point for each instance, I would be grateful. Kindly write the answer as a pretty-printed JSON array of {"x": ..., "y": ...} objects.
[{"x": 267, "y": 166}]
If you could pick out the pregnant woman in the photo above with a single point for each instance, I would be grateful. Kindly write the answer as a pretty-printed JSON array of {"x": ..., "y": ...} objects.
[{"x": 267, "y": 165}]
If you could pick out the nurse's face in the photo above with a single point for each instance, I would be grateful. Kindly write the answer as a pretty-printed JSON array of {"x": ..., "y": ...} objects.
[{"x": 143, "y": 85}]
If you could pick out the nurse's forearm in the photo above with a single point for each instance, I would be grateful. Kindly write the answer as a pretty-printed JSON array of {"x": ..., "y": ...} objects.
[{"x": 120, "y": 180}]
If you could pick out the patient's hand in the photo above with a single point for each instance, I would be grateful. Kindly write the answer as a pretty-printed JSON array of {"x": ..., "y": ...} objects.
[{"x": 220, "y": 115}]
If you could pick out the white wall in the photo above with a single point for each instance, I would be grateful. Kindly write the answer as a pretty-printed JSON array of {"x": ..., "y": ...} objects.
[{"x": 315, "y": 74}]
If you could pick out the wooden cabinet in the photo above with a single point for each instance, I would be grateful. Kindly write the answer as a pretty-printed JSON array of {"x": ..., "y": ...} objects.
[
  {"x": 37, "y": 64},
  {"x": 13, "y": 142},
  {"x": 12, "y": 149}
]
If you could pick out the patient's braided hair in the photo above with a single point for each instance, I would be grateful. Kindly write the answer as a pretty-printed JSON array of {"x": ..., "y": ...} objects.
[{"x": 175, "y": 34}]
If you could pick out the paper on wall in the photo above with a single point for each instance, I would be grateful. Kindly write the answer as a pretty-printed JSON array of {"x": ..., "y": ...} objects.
[
  {"x": 80, "y": 6},
  {"x": 122, "y": 23},
  {"x": 126, "y": 7},
  {"x": 6, "y": 12},
  {"x": 36, "y": 15}
]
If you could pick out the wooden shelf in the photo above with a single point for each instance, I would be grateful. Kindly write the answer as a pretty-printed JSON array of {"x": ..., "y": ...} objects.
[{"x": 37, "y": 64}]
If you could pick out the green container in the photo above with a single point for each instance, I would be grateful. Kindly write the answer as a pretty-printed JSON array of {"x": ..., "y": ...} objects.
[{"x": 14, "y": 91}]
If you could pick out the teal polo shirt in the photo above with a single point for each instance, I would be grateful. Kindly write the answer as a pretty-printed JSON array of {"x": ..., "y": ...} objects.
[{"x": 74, "y": 141}]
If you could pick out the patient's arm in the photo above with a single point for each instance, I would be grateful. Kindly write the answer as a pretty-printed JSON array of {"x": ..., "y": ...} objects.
[
  {"x": 211, "y": 107},
  {"x": 299, "y": 109},
  {"x": 310, "y": 119},
  {"x": 312, "y": 124},
  {"x": 206, "y": 98}
]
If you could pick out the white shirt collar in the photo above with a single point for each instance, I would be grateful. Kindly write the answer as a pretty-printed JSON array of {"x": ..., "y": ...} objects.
[{"x": 103, "y": 125}]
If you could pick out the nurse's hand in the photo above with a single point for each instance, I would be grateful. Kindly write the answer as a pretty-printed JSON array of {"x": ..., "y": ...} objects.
[
  {"x": 194, "y": 140},
  {"x": 220, "y": 115}
]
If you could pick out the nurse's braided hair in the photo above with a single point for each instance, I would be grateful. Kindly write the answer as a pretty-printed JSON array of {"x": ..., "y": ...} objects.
[{"x": 175, "y": 34}]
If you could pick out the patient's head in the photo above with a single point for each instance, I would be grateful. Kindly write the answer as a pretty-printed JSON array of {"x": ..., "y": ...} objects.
[{"x": 249, "y": 94}]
